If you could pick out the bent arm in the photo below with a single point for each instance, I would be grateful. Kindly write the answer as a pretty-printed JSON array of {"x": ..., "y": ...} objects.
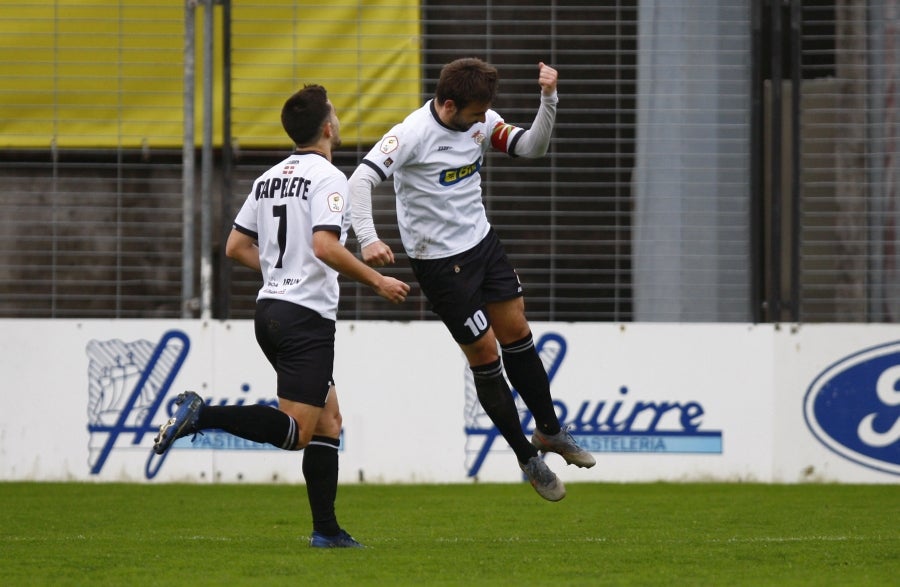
[
  {"x": 535, "y": 141},
  {"x": 329, "y": 250},
  {"x": 362, "y": 182},
  {"x": 242, "y": 248}
]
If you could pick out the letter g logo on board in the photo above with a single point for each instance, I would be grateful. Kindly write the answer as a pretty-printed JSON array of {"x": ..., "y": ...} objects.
[{"x": 853, "y": 407}]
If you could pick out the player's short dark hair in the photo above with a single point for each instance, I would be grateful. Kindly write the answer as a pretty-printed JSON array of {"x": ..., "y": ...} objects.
[
  {"x": 305, "y": 113},
  {"x": 465, "y": 81}
]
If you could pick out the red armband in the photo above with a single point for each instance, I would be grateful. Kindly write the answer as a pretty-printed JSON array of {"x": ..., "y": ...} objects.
[{"x": 500, "y": 136}]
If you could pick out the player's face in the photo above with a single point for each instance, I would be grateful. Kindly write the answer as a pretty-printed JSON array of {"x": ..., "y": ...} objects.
[
  {"x": 472, "y": 113},
  {"x": 335, "y": 128}
]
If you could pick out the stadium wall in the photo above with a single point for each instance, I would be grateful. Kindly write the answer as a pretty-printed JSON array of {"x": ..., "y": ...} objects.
[{"x": 654, "y": 402}]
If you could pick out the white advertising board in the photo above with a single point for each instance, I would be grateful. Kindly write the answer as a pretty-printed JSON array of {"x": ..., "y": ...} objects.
[{"x": 83, "y": 400}]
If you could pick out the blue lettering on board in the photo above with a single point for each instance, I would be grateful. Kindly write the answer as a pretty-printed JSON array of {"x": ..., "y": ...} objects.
[{"x": 620, "y": 426}]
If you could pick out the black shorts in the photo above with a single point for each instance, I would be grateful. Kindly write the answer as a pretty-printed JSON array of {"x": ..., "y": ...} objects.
[
  {"x": 300, "y": 345},
  {"x": 458, "y": 287}
]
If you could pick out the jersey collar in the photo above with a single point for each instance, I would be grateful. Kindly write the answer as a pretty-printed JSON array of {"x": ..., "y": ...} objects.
[{"x": 437, "y": 118}]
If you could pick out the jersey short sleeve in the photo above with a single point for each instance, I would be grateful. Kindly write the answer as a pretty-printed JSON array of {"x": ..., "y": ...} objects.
[
  {"x": 328, "y": 205},
  {"x": 398, "y": 146}
]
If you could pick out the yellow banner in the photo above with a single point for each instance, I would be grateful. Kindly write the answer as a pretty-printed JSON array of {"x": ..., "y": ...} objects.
[{"x": 107, "y": 73}]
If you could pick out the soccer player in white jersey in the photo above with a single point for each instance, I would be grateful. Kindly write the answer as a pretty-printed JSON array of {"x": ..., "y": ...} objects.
[
  {"x": 435, "y": 157},
  {"x": 292, "y": 228}
]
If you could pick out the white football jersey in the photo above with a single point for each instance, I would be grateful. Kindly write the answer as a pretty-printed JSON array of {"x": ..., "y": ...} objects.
[
  {"x": 437, "y": 179},
  {"x": 302, "y": 194}
]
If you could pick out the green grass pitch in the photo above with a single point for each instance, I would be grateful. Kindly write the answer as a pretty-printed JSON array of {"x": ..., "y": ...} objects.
[{"x": 479, "y": 534}]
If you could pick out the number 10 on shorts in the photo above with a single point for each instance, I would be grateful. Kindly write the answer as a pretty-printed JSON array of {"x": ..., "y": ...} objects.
[{"x": 477, "y": 323}]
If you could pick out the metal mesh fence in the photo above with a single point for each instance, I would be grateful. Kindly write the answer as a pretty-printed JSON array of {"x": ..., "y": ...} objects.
[
  {"x": 564, "y": 218},
  {"x": 90, "y": 235},
  {"x": 631, "y": 216}
]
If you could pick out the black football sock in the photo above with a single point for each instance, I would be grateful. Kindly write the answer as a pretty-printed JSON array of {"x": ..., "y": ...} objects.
[
  {"x": 255, "y": 422},
  {"x": 498, "y": 404},
  {"x": 526, "y": 373},
  {"x": 320, "y": 469}
]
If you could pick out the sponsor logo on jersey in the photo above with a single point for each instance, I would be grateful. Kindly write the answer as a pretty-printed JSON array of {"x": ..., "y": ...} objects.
[
  {"x": 388, "y": 162},
  {"x": 853, "y": 408},
  {"x": 389, "y": 144},
  {"x": 288, "y": 169},
  {"x": 444, "y": 148},
  {"x": 452, "y": 176},
  {"x": 336, "y": 202}
]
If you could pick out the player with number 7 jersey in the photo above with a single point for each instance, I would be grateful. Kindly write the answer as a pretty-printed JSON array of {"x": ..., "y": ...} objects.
[
  {"x": 292, "y": 228},
  {"x": 299, "y": 196}
]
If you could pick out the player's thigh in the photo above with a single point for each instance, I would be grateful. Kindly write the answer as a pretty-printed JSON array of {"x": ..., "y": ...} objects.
[
  {"x": 458, "y": 287},
  {"x": 482, "y": 351},
  {"x": 300, "y": 345},
  {"x": 508, "y": 319},
  {"x": 330, "y": 420},
  {"x": 453, "y": 288}
]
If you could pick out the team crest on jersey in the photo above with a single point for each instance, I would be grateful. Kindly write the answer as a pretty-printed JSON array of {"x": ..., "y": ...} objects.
[
  {"x": 389, "y": 144},
  {"x": 478, "y": 137},
  {"x": 336, "y": 202}
]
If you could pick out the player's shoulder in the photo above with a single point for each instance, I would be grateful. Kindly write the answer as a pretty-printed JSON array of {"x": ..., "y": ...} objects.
[
  {"x": 328, "y": 172},
  {"x": 409, "y": 133},
  {"x": 492, "y": 118},
  {"x": 416, "y": 123},
  {"x": 422, "y": 112},
  {"x": 312, "y": 163}
]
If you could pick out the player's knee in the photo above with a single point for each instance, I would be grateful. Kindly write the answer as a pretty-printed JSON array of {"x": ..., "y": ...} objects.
[
  {"x": 304, "y": 438},
  {"x": 330, "y": 425},
  {"x": 481, "y": 352}
]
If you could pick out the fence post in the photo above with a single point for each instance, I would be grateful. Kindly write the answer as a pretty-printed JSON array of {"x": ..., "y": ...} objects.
[{"x": 187, "y": 156}]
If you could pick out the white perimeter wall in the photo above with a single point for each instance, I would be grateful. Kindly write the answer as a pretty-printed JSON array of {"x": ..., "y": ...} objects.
[{"x": 82, "y": 400}]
